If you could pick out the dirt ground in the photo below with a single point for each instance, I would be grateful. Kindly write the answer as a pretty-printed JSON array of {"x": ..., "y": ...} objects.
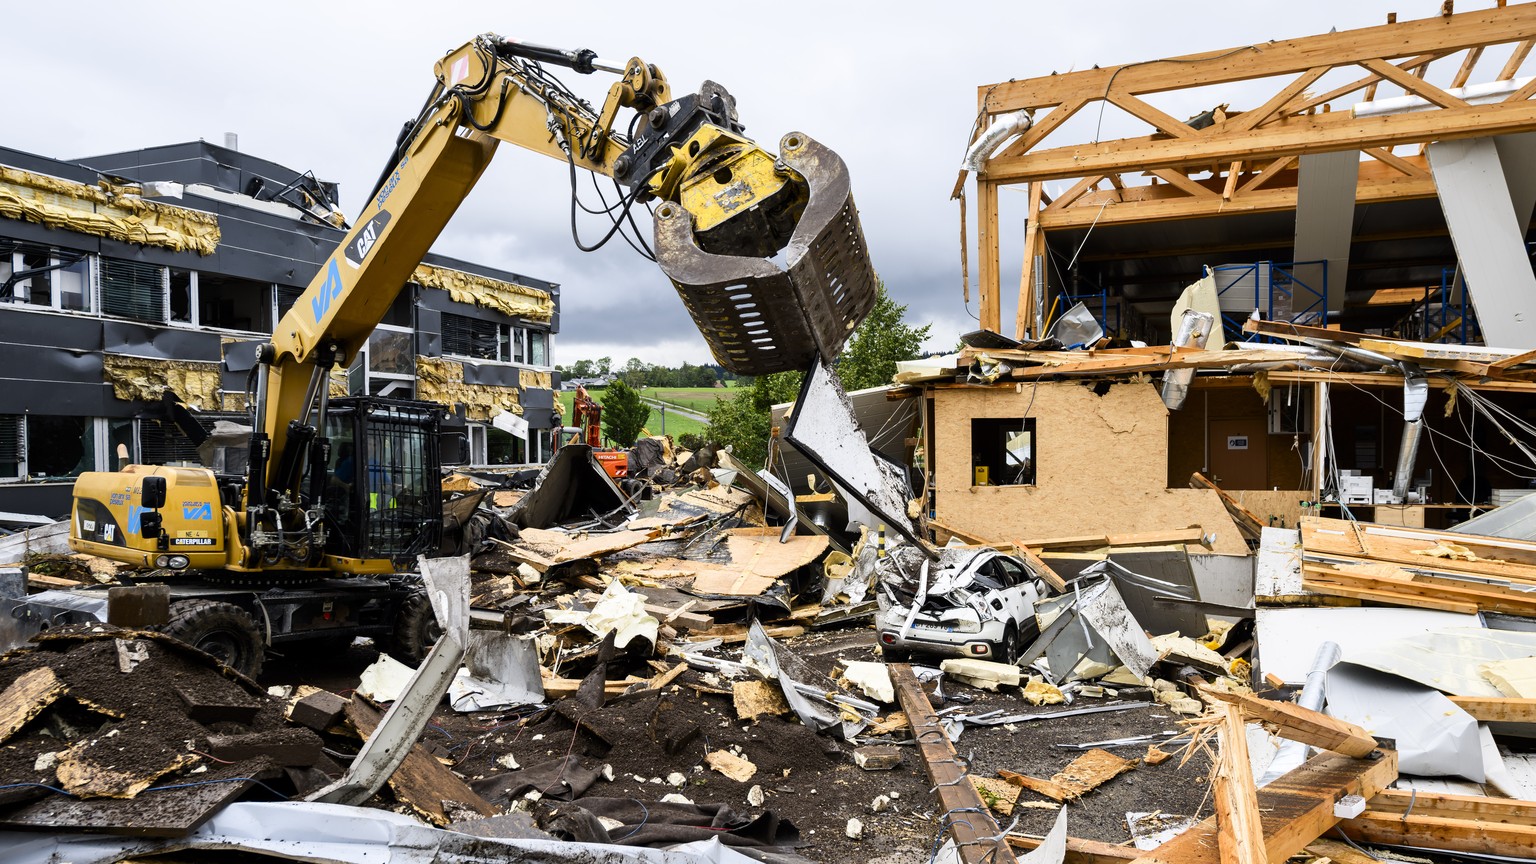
[{"x": 807, "y": 779}]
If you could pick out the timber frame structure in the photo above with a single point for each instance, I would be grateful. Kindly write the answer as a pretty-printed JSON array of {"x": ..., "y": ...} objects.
[{"x": 1225, "y": 163}]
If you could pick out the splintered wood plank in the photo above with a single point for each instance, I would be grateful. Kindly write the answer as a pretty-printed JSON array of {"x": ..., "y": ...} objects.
[
  {"x": 1239, "y": 829},
  {"x": 1042, "y": 569},
  {"x": 969, "y": 822},
  {"x": 28, "y": 696},
  {"x": 1437, "y": 832},
  {"x": 1301, "y": 724},
  {"x": 1247, "y": 522},
  {"x": 421, "y": 782},
  {"x": 1295, "y": 809}
]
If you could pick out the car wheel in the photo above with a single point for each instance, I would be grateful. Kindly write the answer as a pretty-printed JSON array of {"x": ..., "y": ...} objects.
[
  {"x": 1007, "y": 649},
  {"x": 222, "y": 630},
  {"x": 416, "y": 629}
]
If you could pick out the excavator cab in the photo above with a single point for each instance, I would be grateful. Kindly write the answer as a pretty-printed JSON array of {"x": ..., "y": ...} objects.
[{"x": 383, "y": 487}]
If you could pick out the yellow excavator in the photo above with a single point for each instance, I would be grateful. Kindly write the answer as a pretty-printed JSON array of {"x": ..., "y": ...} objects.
[{"x": 339, "y": 495}]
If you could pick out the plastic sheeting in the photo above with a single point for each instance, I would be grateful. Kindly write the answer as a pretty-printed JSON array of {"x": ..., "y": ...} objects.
[
  {"x": 1435, "y": 738},
  {"x": 339, "y": 834},
  {"x": 1446, "y": 659}
]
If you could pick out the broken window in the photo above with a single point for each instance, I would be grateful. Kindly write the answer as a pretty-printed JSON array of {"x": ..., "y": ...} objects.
[
  {"x": 57, "y": 278},
  {"x": 1003, "y": 452},
  {"x": 41, "y": 447},
  {"x": 133, "y": 289},
  {"x": 538, "y": 348},
  {"x": 504, "y": 448},
  {"x": 475, "y": 339},
  {"x": 232, "y": 303},
  {"x": 182, "y": 295},
  {"x": 287, "y": 295},
  {"x": 390, "y": 352}
]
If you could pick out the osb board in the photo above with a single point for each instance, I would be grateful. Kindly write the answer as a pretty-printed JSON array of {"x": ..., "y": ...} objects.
[
  {"x": 1284, "y": 505},
  {"x": 1101, "y": 466}
]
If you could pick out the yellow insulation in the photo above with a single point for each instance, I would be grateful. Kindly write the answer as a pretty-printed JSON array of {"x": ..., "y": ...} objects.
[
  {"x": 105, "y": 210},
  {"x": 507, "y": 297},
  {"x": 143, "y": 379},
  {"x": 528, "y": 378},
  {"x": 439, "y": 380}
]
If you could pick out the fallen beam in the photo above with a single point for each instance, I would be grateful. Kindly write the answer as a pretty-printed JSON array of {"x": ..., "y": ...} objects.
[
  {"x": 977, "y": 837},
  {"x": 1301, "y": 724},
  {"x": 1295, "y": 810}
]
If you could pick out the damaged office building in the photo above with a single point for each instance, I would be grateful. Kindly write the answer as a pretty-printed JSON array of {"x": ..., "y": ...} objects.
[{"x": 131, "y": 275}]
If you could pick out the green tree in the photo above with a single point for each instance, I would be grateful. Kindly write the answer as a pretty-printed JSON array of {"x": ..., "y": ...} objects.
[
  {"x": 603, "y": 366},
  {"x": 624, "y": 415},
  {"x": 634, "y": 373},
  {"x": 581, "y": 369},
  {"x": 743, "y": 422},
  {"x": 879, "y": 342}
]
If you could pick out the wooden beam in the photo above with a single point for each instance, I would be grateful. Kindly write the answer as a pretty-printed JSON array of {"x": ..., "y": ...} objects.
[
  {"x": 1081, "y": 851},
  {"x": 1524, "y": 93},
  {"x": 1042, "y": 127},
  {"x": 1468, "y": 63},
  {"x": 1498, "y": 709},
  {"x": 1295, "y": 809},
  {"x": 1239, "y": 829},
  {"x": 1182, "y": 181},
  {"x": 968, "y": 821},
  {"x": 1321, "y": 133},
  {"x": 1281, "y": 57},
  {"x": 1369, "y": 82},
  {"x": 1251, "y": 526},
  {"x": 1444, "y": 804},
  {"x": 1078, "y": 190},
  {"x": 1042, "y": 569},
  {"x": 1161, "y": 121},
  {"x": 1518, "y": 359},
  {"x": 1414, "y": 84},
  {"x": 1270, "y": 170},
  {"x": 1234, "y": 173},
  {"x": 1387, "y": 157},
  {"x": 990, "y": 288},
  {"x": 1250, "y": 119},
  {"x": 1474, "y": 836},
  {"x": 1024, "y": 314},
  {"x": 1516, "y": 58},
  {"x": 1296, "y": 723}
]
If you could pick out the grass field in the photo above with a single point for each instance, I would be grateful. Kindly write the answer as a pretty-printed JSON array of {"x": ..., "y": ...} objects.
[
  {"x": 699, "y": 399},
  {"x": 676, "y": 424}
]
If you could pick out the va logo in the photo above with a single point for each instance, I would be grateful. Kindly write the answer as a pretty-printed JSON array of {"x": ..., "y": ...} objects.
[
  {"x": 134, "y": 511},
  {"x": 328, "y": 291},
  {"x": 199, "y": 511}
]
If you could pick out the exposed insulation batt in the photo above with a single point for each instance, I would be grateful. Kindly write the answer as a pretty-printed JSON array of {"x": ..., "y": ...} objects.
[
  {"x": 529, "y": 378},
  {"x": 105, "y": 210},
  {"x": 506, "y": 297},
  {"x": 143, "y": 379},
  {"x": 439, "y": 380}
]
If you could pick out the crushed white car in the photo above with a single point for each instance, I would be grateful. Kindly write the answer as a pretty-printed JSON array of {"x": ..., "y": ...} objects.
[{"x": 976, "y": 603}]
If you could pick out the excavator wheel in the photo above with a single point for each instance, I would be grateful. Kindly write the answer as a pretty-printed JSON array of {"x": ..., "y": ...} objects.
[
  {"x": 223, "y": 630},
  {"x": 416, "y": 629}
]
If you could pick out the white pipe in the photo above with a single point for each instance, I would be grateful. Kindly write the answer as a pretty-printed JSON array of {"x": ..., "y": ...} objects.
[
  {"x": 1477, "y": 94},
  {"x": 1004, "y": 127}
]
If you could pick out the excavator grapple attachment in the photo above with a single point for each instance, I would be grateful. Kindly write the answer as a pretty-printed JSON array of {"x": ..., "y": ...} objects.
[{"x": 758, "y": 317}]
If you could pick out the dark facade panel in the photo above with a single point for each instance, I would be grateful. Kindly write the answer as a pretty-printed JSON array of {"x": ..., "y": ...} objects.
[
  {"x": 46, "y": 363},
  {"x": 70, "y": 332},
  {"x": 91, "y": 398},
  {"x": 493, "y": 374},
  {"x": 28, "y": 232},
  {"x": 147, "y": 340},
  {"x": 44, "y": 165},
  {"x": 239, "y": 357},
  {"x": 39, "y": 499},
  {"x": 538, "y": 399}
]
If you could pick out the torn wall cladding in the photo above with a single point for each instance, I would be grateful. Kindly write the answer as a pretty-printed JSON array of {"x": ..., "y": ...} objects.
[
  {"x": 440, "y": 380},
  {"x": 105, "y": 210},
  {"x": 510, "y": 298},
  {"x": 143, "y": 379},
  {"x": 1097, "y": 455}
]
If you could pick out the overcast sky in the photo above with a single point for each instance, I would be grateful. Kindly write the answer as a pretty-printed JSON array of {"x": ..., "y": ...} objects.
[{"x": 891, "y": 87}]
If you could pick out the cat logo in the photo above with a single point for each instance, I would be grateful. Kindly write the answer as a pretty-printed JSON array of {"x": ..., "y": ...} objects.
[{"x": 363, "y": 243}]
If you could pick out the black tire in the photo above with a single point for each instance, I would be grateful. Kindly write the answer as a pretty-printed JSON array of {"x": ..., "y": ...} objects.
[
  {"x": 416, "y": 629},
  {"x": 223, "y": 630},
  {"x": 1007, "y": 650}
]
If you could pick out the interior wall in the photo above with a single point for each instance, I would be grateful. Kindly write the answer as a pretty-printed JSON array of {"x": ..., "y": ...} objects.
[
  {"x": 1101, "y": 454},
  {"x": 1189, "y": 436}
]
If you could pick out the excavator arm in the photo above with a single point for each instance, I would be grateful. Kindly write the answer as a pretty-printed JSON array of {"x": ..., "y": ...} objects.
[{"x": 765, "y": 250}]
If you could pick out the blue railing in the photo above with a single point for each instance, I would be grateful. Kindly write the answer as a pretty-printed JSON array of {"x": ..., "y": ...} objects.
[{"x": 1275, "y": 290}]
